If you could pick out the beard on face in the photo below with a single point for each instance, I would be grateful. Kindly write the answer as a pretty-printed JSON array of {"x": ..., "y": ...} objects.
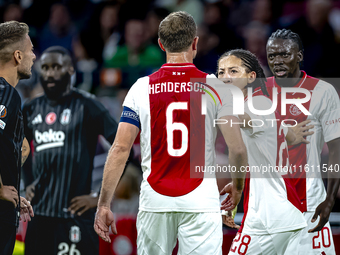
[
  {"x": 24, "y": 74},
  {"x": 60, "y": 87}
]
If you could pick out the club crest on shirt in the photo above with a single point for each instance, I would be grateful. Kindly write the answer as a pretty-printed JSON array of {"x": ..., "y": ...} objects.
[
  {"x": 65, "y": 117},
  {"x": 50, "y": 118},
  {"x": 294, "y": 110},
  {"x": 75, "y": 234},
  {"x": 3, "y": 111}
]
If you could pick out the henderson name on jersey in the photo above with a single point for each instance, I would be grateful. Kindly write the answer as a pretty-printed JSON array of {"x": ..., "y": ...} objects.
[{"x": 175, "y": 137}]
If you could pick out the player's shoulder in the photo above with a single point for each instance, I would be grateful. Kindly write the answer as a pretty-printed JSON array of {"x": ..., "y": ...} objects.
[
  {"x": 323, "y": 91},
  {"x": 324, "y": 86},
  {"x": 87, "y": 99},
  {"x": 141, "y": 84},
  {"x": 213, "y": 81},
  {"x": 4, "y": 85},
  {"x": 142, "y": 80},
  {"x": 270, "y": 82},
  {"x": 8, "y": 93},
  {"x": 258, "y": 92},
  {"x": 82, "y": 94},
  {"x": 39, "y": 99}
]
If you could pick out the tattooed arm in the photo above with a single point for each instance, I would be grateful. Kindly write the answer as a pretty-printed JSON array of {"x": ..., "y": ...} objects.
[{"x": 25, "y": 151}]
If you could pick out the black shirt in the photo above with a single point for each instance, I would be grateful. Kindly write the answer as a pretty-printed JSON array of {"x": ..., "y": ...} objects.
[
  {"x": 11, "y": 137},
  {"x": 64, "y": 138}
]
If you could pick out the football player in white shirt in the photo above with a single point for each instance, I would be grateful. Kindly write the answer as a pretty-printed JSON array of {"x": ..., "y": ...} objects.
[
  {"x": 270, "y": 197},
  {"x": 175, "y": 203},
  {"x": 284, "y": 54}
]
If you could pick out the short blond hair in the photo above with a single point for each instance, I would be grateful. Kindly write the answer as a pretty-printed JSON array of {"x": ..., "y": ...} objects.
[
  {"x": 177, "y": 31},
  {"x": 11, "y": 33}
]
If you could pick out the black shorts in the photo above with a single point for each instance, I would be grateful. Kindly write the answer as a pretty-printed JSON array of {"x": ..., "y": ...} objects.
[
  {"x": 7, "y": 238},
  {"x": 52, "y": 236}
]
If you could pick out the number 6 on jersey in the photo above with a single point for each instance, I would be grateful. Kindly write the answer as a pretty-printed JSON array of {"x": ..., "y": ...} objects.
[{"x": 171, "y": 126}]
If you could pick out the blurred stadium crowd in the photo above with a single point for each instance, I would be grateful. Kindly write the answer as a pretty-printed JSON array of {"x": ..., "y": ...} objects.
[{"x": 115, "y": 42}]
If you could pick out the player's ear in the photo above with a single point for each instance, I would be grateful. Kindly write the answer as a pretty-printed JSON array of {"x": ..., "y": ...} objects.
[
  {"x": 71, "y": 70},
  {"x": 17, "y": 56},
  {"x": 160, "y": 44},
  {"x": 251, "y": 77},
  {"x": 194, "y": 43},
  {"x": 300, "y": 56}
]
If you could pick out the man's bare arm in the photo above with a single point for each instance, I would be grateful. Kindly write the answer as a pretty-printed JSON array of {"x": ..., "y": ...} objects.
[
  {"x": 324, "y": 209},
  {"x": 8, "y": 193},
  {"x": 25, "y": 151},
  {"x": 116, "y": 160},
  {"x": 113, "y": 170}
]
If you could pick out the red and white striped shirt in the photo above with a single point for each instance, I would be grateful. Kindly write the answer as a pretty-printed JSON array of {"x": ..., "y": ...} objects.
[
  {"x": 305, "y": 159},
  {"x": 176, "y": 137}
]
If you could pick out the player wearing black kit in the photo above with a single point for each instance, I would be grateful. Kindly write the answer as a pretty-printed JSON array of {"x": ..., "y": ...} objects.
[
  {"x": 16, "y": 60},
  {"x": 64, "y": 125}
]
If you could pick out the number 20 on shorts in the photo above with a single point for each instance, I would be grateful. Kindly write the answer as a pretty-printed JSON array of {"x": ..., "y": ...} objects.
[{"x": 325, "y": 238}]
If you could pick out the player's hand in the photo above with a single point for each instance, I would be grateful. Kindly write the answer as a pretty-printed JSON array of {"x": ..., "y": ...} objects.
[
  {"x": 232, "y": 200},
  {"x": 9, "y": 193},
  {"x": 323, "y": 210},
  {"x": 81, "y": 204},
  {"x": 26, "y": 210},
  {"x": 301, "y": 130},
  {"x": 30, "y": 189},
  {"x": 228, "y": 219},
  {"x": 104, "y": 219}
]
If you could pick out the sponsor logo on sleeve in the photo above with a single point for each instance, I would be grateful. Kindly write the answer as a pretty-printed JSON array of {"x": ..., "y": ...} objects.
[
  {"x": 2, "y": 124},
  {"x": 3, "y": 111},
  {"x": 331, "y": 122}
]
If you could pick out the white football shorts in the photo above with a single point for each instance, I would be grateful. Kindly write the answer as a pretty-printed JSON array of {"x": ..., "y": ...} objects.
[
  {"x": 197, "y": 233},
  {"x": 285, "y": 243},
  {"x": 317, "y": 243}
]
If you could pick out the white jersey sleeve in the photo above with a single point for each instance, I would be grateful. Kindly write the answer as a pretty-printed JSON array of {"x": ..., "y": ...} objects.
[
  {"x": 132, "y": 98},
  {"x": 329, "y": 111}
]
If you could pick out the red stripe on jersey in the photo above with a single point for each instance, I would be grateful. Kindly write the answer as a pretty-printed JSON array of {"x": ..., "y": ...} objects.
[
  {"x": 281, "y": 159},
  {"x": 175, "y": 111},
  {"x": 297, "y": 153}
]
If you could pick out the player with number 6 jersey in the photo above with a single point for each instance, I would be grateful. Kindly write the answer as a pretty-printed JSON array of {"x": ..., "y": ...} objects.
[{"x": 176, "y": 119}]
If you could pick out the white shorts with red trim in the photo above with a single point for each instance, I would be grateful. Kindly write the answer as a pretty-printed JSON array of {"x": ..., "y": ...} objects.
[
  {"x": 318, "y": 243},
  {"x": 197, "y": 233},
  {"x": 285, "y": 243}
]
